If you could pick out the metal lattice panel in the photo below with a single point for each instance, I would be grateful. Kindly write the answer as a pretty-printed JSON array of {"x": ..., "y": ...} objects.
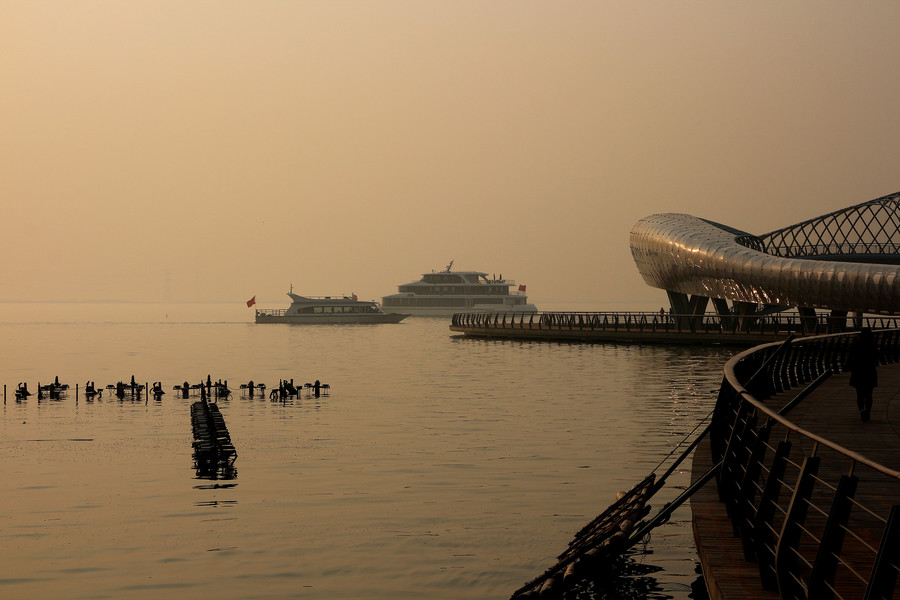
[{"x": 871, "y": 228}]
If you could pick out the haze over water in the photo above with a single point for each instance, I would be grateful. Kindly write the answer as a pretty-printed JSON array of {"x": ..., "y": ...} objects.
[
  {"x": 212, "y": 150},
  {"x": 439, "y": 467},
  {"x": 216, "y": 151}
]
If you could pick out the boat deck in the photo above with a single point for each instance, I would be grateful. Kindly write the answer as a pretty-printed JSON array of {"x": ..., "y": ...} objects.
[{"x": 831, "y": 413}]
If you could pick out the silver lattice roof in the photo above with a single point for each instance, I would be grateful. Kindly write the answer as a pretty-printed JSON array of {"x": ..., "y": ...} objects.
[{"x": 868, "y": 230}]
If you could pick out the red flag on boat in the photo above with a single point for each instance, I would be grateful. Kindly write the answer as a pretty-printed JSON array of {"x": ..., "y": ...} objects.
[
  {"x": 251, "y": 301},
  {"x": 522, "y": 288}
]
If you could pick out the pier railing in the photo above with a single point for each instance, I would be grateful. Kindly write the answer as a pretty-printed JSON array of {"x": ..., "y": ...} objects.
[
  {"x": 820, "y": 520},
  {"x": 651, "y": 322}
]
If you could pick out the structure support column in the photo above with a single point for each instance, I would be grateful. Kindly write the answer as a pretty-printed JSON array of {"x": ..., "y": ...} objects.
[
  {"x": 807, "y": 319},
  {"x": 837, "y": 321},
  {"x": 725, "y": 316},
  {"x": 689, "y": 309},
  {"x": 746, "y": 314}
]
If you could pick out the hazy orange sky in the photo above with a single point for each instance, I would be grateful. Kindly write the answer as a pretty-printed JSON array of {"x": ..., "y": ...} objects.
[{"x": 213, "y": 150}]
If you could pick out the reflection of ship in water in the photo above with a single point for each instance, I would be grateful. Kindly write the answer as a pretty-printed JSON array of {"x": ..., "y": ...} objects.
[{"x": 214, "y": 454}]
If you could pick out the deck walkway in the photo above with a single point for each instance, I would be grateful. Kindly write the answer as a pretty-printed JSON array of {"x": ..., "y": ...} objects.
[
  {"x": 651, "y": 328},
  {"x": 831, "y": 413}
]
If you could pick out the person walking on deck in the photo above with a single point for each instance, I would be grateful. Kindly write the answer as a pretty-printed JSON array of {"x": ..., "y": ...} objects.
[{"x": 862, "y": 364}]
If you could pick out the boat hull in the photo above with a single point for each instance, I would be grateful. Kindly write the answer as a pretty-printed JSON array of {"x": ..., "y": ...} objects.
[
  {"x": 332, "y": 319},
  {"x": 438, "y": 311},
  {"x": 446, "y": 293}
]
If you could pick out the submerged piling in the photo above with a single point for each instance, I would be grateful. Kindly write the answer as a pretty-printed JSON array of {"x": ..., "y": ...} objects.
[{"x": 214, "y": 453}]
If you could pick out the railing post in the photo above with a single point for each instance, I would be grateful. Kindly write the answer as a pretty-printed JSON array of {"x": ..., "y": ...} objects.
[
  {"x": 789, "y": 541},
  {"x": 748, "y": 489},
  {"x": 763, "y": 535},
  {"x": 734, "y": 465},
  {"x": 884, "y": 573},
  {"x": 725, "y": 477},
  {"x": 821, "y": 578},
  {"x": 792, "y": 368},
  {"x": 719, "y": 423}
]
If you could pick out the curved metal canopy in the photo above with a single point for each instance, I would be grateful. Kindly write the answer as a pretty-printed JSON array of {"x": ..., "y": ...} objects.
[{"x": 845, "y": 260}]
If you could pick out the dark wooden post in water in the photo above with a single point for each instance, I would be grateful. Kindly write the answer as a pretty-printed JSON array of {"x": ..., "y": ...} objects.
[{"x": 214, "y": 454}]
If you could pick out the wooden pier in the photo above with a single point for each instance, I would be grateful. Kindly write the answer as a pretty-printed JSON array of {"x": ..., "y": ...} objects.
[
  {"x": 832, "y": 531},
  {"x": 806, "y": 499},
  {"x": 654, "y": 328}
]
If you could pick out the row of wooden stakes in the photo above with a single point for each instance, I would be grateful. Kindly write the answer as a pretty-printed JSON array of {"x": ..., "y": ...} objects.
[{"x": 209, "y": 389}]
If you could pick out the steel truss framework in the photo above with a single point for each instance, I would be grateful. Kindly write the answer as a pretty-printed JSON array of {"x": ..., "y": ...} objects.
[
  {"x": 868, "y": 230},
  {"x": 844, "y": 261}
]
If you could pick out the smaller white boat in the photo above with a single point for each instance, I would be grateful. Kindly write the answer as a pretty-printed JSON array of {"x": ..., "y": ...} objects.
[{"x": 327, "y": 310}]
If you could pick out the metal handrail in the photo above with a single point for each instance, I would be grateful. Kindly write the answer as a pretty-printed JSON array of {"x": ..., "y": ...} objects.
[
  {"x": 769, "y": 509},
  {"x": 732, "y": 379},
  {"x": 675, "y": 323}
]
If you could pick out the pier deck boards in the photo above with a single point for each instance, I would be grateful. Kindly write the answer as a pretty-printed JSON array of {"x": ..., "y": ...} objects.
[
  {"x": 831, "y": 413},
  {"x": 623, "y": 336}
]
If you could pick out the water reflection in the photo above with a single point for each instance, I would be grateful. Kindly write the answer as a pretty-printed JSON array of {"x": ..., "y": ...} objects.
[
  {"x": 215, "y": 486},
  {"x": 216, "y": 503},
  {"x": 631, "y": 578},
  {"x": 442, "y": 470}
]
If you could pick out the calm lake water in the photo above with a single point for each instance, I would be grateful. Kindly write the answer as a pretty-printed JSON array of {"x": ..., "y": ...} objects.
[{"x": 438, "y": 467}]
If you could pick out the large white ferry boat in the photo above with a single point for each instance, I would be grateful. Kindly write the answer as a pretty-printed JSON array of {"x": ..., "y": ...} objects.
[
  {"x": 327, "y": 310},
  {"x": 443, "y": 293}
]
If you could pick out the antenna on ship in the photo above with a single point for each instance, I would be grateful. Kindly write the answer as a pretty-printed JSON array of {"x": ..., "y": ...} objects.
[{"x": 450, "y": 265}]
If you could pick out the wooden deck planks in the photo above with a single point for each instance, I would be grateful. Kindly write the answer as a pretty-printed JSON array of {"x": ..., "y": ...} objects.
[
  {"x": 622, "y": 335},
  {"x": 831, "y": 413}
]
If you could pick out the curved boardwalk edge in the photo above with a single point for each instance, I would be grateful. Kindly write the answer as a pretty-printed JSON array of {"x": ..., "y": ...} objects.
[
  {"x": 806, "y": 502},
  {"x": 727, "y": 574},
  {"x": 597, "y": 546}
]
